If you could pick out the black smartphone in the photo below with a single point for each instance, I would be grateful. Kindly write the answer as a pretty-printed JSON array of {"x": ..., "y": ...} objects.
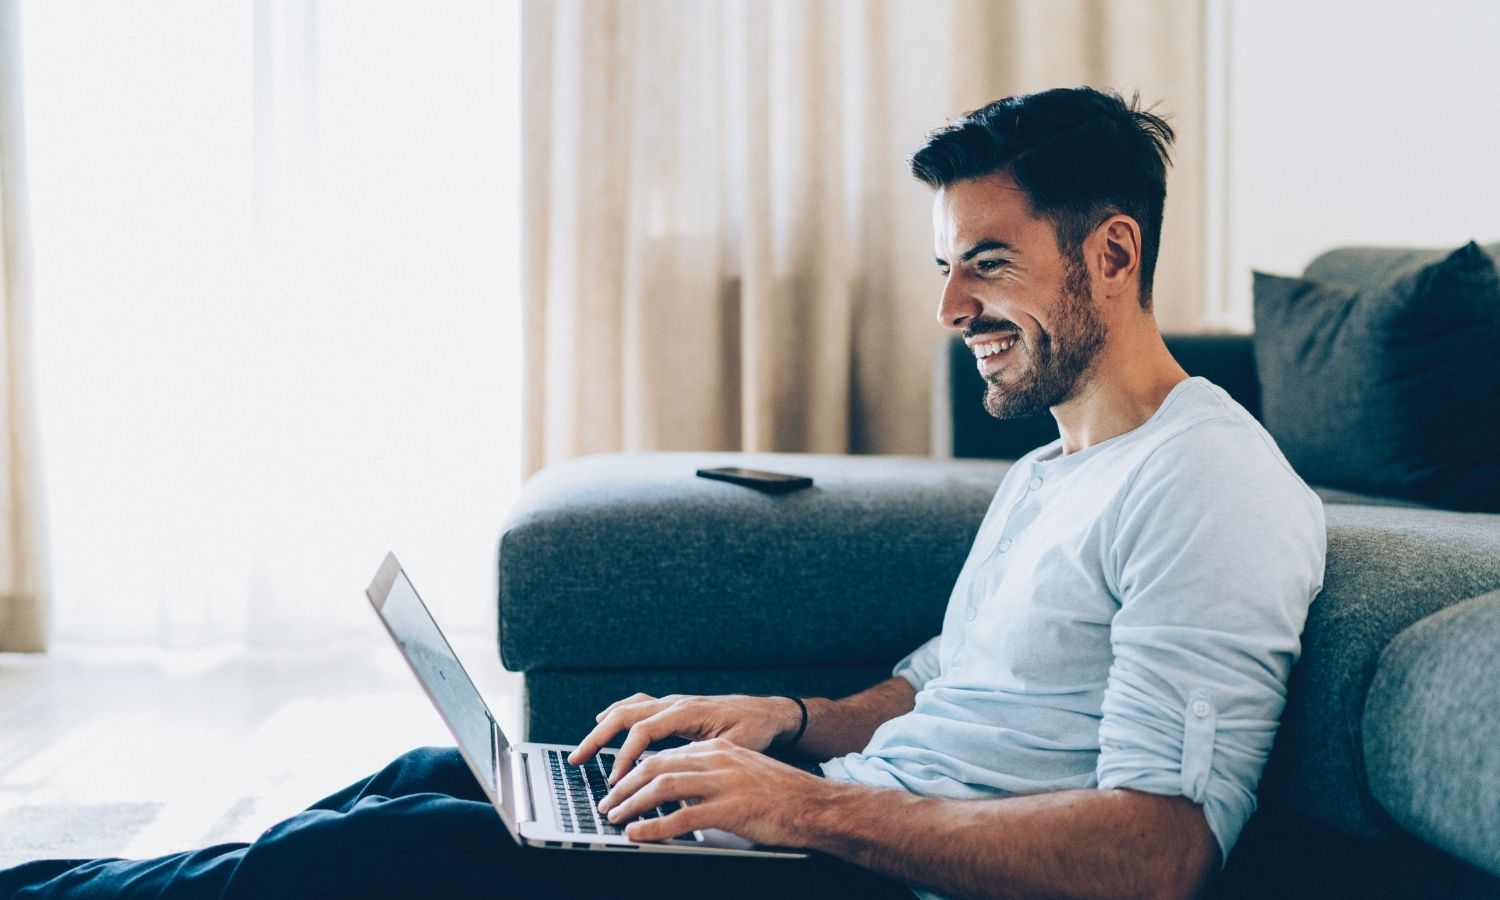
[{"x": 770, "y": 482}]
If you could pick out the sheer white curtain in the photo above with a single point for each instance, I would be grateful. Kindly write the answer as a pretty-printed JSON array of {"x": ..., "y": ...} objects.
[
  {"x": 23, "y": 601},
  {"x": 724, "y": 248},
  {"x": 276, "y": 245}
]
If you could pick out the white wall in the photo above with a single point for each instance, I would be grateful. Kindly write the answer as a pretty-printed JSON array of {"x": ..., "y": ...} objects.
[{"x": 1355, "y": 122}]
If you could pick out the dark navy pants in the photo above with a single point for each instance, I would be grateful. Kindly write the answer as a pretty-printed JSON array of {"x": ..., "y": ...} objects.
[{"x": 421, "y": 827}]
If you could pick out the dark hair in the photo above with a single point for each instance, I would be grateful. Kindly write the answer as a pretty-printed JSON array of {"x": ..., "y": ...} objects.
[{"x": 1081, "y": 156}]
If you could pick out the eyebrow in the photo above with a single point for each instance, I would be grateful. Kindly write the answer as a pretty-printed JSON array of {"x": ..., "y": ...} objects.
[{"x": 975, "y": 250}]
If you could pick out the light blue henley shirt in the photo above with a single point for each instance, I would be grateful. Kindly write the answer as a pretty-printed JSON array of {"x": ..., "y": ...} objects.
[{"x": 1127, "y": 618}]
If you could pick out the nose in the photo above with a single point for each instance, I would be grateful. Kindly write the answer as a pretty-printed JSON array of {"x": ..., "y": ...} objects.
[{"x": 957, "y": 306}]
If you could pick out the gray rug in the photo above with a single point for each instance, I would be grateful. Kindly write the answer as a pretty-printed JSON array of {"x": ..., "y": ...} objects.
[
  {"x": 59, "y": 831},
  {"x": 88, "y": 831}
]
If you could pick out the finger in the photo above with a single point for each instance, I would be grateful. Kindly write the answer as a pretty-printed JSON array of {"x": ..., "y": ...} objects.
[
  {"x": 678, "y": 759},
  {"x": 675, "y": 715},
  {"x": 621, "y": 717},
  {"x": 685, "y": 820},
  {"x": 663, "y": 788},
  {"x": 642, "y": 735},
  {"x": 633, "y": 698}
]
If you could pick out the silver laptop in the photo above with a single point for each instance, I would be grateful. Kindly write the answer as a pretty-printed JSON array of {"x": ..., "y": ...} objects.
[{"x": 542, "y": 799}]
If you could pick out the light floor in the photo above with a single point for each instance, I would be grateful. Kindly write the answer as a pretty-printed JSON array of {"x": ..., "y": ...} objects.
[{"x": 138, "y": 754}]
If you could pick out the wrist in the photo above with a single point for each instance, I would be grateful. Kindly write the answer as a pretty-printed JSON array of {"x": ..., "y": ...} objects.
[
  {"x": 826, "y": 818},
  {"x": 788, "y": 717},
  {"x": 792, "y": 716}
]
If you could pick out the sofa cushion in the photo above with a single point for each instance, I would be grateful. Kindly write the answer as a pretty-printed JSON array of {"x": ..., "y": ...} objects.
[
  {"x": 1373, "y": 267},
  {"x": 1334, "y": 495},
  {"x": 1389, "y": 389},
  {"x": 855, "y": 570},
  {"x": 1432, "y": 739},
  {"x": 1387, "y": 568}
]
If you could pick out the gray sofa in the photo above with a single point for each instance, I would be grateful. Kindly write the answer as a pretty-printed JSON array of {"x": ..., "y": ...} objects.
[{"x": 624, "y": 572}]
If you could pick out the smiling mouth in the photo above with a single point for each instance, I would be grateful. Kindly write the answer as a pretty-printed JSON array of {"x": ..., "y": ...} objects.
[
  {"x": 986, "y": 349},
  {"x": 989, "y": 355}
]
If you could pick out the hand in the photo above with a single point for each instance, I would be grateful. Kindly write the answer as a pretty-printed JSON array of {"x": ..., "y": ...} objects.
[
  {"x": 750, "y": 722},
  {"x": 737, "y": 789}
]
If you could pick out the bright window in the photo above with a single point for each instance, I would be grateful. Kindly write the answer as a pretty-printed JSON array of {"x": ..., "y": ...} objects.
[{"x": 277, "y": 327}]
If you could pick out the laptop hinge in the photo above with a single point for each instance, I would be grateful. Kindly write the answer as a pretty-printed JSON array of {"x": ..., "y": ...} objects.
[
  {"x": 526, "y": 808},
  {"x": 517, "y": 800}
]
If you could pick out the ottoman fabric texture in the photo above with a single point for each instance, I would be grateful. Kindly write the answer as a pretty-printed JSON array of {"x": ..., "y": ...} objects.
[{"x": 630, "y": 561}]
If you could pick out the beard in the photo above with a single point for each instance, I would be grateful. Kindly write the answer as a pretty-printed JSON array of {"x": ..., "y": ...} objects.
[{"x": 1052, "y": 369}]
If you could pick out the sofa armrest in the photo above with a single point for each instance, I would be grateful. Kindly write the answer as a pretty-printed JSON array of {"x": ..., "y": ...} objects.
[
  {"x": 1432, "y": 739},
  {"x": 624, "y": 561},
  {"x": 1387, "y": 569}
]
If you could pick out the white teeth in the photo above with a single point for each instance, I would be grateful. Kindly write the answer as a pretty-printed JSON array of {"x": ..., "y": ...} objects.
[{"x": 992, "y": 347}]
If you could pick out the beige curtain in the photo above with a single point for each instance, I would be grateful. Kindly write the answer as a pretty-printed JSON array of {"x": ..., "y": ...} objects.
[
  {"x": 723, "y": 249},
  {"x": 22, "y": 605}
]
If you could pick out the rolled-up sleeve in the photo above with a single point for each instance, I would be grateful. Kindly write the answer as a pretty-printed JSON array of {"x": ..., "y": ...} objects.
[
  {"x": 920, "y": 666},
  {"x": 1214, "y": 582}
]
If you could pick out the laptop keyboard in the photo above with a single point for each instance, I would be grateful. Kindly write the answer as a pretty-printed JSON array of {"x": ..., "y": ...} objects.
[{"x": 577, "y": 791}]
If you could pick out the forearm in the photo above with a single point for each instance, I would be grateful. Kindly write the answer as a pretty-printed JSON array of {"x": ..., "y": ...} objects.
[
  {"x": 1082, "y": 843},
  {"x": 837, "y": 727}
]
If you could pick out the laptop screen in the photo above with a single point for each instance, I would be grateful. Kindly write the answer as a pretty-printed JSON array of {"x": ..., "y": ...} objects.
[{"x": 438, "y": 669}]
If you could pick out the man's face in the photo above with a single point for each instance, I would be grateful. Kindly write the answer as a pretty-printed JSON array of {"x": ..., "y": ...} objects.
[{"x": 1024, "y": 310}]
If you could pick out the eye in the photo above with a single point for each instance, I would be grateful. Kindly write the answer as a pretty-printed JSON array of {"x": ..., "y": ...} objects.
[{"x": 989, "y": 265}]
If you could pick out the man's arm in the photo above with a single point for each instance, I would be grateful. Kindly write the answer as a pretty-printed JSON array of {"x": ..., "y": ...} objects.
[
  {"x": 1079, "y": 843},
  {"x": 837, "y": 727},
  {"x": 834, "y": 727}
]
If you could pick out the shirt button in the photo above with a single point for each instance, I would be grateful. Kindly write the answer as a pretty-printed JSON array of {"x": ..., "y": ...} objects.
[
  {"x": 1036, "y": 482},
  {"x": 969, "y": 614},
  {"x": 1004, "y": 545},
  {"x": 1200, "y": 708}
]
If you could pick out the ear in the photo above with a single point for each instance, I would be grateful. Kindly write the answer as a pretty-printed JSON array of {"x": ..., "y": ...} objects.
[{"x": 1114, "y": 254}]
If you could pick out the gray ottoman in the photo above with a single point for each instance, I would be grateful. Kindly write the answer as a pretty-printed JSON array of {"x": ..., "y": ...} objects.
[{"x": 626, "y": 572}]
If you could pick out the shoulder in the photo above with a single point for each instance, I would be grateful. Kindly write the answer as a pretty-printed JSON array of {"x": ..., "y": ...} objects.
[
  {"x": 1210, "y": 457},
  {"x": 1207, "y": 434},
  {"x": 1213, "y": 509}
]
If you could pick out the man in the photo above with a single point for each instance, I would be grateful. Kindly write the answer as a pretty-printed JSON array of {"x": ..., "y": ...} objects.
[{"x": 1093, "y": 718}]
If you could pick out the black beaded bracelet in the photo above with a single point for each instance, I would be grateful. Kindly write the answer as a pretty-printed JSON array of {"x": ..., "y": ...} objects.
[{"x": 800, "y": 728}]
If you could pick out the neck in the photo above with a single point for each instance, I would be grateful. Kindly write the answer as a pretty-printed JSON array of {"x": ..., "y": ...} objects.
[{"x": 1129, "y": 379}]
